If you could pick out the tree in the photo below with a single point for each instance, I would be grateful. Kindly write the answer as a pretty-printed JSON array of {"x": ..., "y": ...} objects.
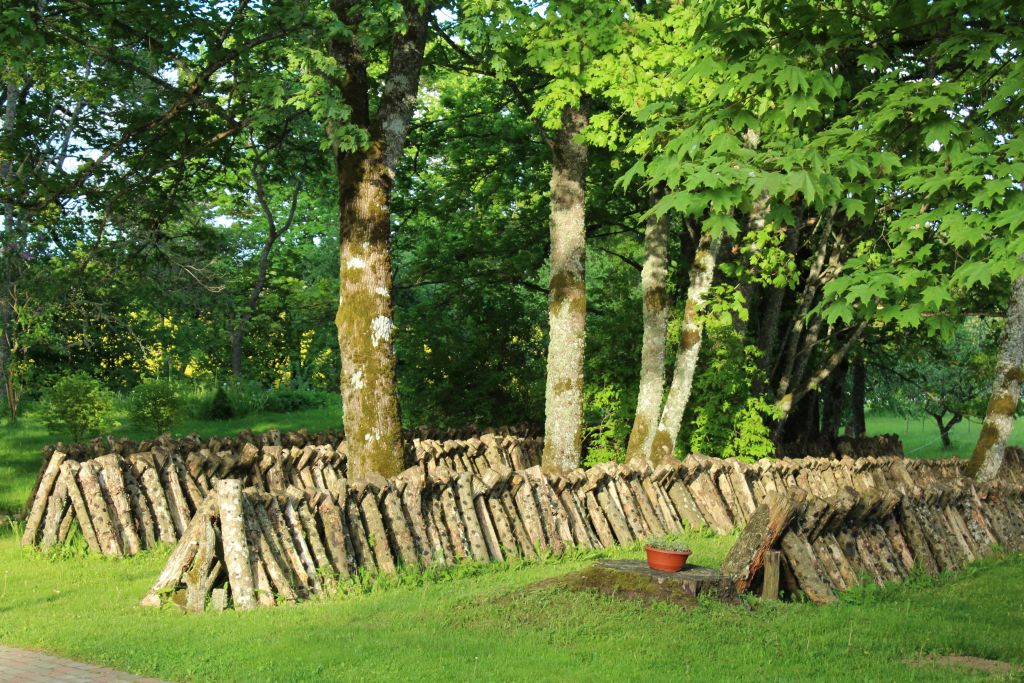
[
  {"x": 367, "y": 154},
  {"x": 1002, "y": 406}
]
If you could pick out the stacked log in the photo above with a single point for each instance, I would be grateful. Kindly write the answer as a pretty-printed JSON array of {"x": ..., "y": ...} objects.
[
  {"x": 834, "y": 542},
  {"x": 127, "y": 502}
]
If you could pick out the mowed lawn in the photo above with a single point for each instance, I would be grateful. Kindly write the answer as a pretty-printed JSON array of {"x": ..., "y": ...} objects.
[{"x": 485, "y": 623}]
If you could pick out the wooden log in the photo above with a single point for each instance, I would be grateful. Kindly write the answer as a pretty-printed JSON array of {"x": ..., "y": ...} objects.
[
  {"x": 42, "y": 497},
  {"x": 709, "y": 502},
  {"x": 324, "y": 569},
  {"x": 297, "y": 536},
  {"x": 770, "y": 585},
  {"x": 166, "y": 530},
  {"x": 915, "y": 536},
  {"x": 334, "y": 536},
  {"x": 529, "y": 513},
  {"x": 112, "y": 484},
  {"x": 69, "y": 474},
  {"x": 746, "y": 558},
  {"x": 598, "y": 521},
  {"x": 609, "y": 505},
  {"x": 523, "y": 540},
  {"x": 434, "y": 511},
  {"x": 502, "y": 525},
  {"x": 580, "y": 529},
  {"x": 195, "y": 575},
  {"x": 182, "y": 555},
  {"x": 847, "y": 573},
  {"x": 273, "y": 546},
  {"x": 398, "y": 527},
  {"x": 282, "y": 534},
  {"x": 233, "y": 540},
  {"x": 278, "y": 574},
  {"x": 56, "y": 507},
  {"x": 658, "y": 496},
  {"x": 141, "y": 512},
  {"x": 647, "y": 508},
  {"x": 620, "y": 491},
  {"x": 559, "y": 532},
  {"x": 377, "y": 535},
  {"x": 106, "y": 535},
  {"x": 474, "y": 530},
  {"x": 176, "y": 502},
  {"x": 801, "y": 560},
  {"x": 362, "y": 552},
  {"x": 899, "y": 544},
  {"x": 681, "y": 499}
]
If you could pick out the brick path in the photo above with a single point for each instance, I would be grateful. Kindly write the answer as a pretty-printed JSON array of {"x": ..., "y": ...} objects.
[{"x": 25, "y": 666}]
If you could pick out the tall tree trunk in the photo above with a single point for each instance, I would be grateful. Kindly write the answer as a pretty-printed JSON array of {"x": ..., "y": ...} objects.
[
  {"x": 856, "y": 426},
  {"x": 7, "y": 262},
  {"x": 702, "y": 273},
  {"x": 995, "y": 431},
  {"x": 567, "y": 304},
  {"x": 369, "y": 389},
  {"x": 834, "y": 397},
  {"x": 653, "y": 281}
]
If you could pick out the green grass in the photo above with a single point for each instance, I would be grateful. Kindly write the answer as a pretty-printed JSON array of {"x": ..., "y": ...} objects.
[
  {"x": 485, "y": 623},
  {"x": 920, "y": 436}
]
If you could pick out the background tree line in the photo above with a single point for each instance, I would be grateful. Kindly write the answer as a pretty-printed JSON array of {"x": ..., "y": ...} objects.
[{"x": 654, "y": 227}]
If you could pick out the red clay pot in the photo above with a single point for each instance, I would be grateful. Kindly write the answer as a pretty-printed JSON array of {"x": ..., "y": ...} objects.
[{"x": 666, "y": 560}]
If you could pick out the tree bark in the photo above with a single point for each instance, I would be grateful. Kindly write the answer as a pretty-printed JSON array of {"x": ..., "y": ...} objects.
[
  {"x": 856, "y": 427},
  {"x": 7, "y": 262},
  {"x": 834, "y": 398},
  {"x": 702, "y": 273},
  {"x": 995, "y": 431},
  {"x": 653, "y": 280},
  {"x": 365, "y": 177},
  {"x": 945, "y": 428},
  {"x": 567, "y": 303}
]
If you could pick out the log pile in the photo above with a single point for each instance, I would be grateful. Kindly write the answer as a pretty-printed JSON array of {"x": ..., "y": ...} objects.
[
  {"x": 833, "y": 543},
  {"x": 124, "y": 503},
  {"x": 301, "y": 541}
]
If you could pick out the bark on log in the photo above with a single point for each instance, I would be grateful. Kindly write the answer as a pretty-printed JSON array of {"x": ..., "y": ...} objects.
[
  {"x": 766, "y": 526},
  {"x": 233, "y": 540},
  {"x": 42, "y": 496}
]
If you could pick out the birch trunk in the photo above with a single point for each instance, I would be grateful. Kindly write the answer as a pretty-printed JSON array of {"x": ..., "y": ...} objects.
[
  {"x": 653, "y": 280},
  {"x": 365, "y": 322},
  {"x": 702, "y": 273},
  {"x": 991, "y": 447},
  {"x": 567, "y": 306}
]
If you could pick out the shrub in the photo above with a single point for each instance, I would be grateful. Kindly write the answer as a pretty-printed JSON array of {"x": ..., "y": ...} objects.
[
  {"x": 605, "y": 433},
  {"x": 289, "y": 399},
  {"x": 78, "y": 405},
  {"x": 155, "y": 405},
  {"x": 221, "y": 407}
]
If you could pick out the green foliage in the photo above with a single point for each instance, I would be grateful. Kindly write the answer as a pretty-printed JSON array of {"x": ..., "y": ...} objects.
[
  {"x": 723, "y": 417},
  {"x": 156, "y": 405},
  {"x": 221, "y": 407},
  {"x": 606, "y": 433},
  {"x": 288, "y": 399},
  {"x": 671, "y": 542},
  {"x": 78, "y": 406}
]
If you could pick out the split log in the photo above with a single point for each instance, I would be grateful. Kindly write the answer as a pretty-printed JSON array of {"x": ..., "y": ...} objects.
[
  {"x": 69, "y": 473},
  {"x": 801, "y": 560},
  {"x": 746, "y": 558},
  {"x": 42, "y": 496},
  {"x": 233, "y": 540},
  {"x": 106, "y": 535}
]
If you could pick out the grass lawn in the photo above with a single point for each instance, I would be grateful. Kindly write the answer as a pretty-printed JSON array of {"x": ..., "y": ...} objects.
[
  {"x": 921, "y": 437},
  {"x": 484, "y": 623}
]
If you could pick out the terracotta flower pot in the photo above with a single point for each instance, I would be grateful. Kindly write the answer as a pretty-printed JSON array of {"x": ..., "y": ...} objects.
[{"x": 666, "y": 560}]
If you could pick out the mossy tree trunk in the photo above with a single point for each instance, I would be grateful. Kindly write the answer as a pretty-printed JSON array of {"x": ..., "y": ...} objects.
[
  {"x": 653, "y": 281},
  {"x": 995, "y": 430},
  {"x": 567, "y": 303},
  {"x": 365, "y": 322},
  {"x": 702, "y": 273}
]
